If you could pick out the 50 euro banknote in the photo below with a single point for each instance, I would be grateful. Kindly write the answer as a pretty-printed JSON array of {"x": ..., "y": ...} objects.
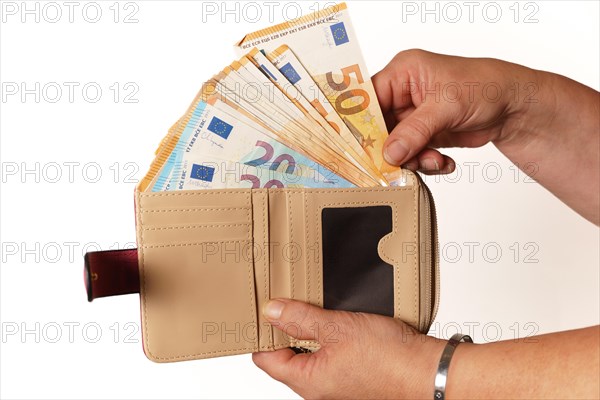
[
  {"x": 241, "y": 85},
  {"x": 326, "y": 45}
]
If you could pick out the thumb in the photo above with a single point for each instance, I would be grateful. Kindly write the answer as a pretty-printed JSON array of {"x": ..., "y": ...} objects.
[
  {"x": 412, "y": 134},
  {"x": 282, "y": 365},
  {"x": 302, "y": 320}
]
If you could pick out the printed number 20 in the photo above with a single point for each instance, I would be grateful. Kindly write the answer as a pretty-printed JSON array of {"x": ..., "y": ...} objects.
[
  {"x": 269, "y": 152},
  {"x": 255, "y": 180}
]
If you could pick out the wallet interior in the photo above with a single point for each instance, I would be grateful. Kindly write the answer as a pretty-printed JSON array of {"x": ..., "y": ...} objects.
[{"x": 210, "y": 260}]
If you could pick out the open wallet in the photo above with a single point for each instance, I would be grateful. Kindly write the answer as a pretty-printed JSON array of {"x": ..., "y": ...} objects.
[
  {"x": 282, "y": 193},
  {"x": 208, "y": 260}
]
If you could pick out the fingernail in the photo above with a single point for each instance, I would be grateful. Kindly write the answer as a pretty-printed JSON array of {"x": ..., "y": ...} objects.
[
  {"x": 449, "y": 168},
  {"x": 412, "y": 165},
  {"x": 395, "y": 152},
  {"x": 273, "y": 309},
  {"x": 429, "y": 164}
]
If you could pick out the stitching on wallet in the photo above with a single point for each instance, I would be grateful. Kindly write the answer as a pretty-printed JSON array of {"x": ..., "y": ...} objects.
[
  {"x": 197, "y": 209},
  {"x": 273, "y": 347},
  {"x": 266, "y": 261},
  {"x": 277, "y": 193},
  {"x": 396, "y": 227},
  {"x": 225, "y": 352},
  {"x": 193, "y": 193},
  {"x": 361, "y": 203},
  {"x": 415, "y": 263},
  {"x": 387, "y": 189},
  {"x": 291, "y": 239},
  {"x": 280, "y": 346},
  {"x": 307, "y": 257},
  {"x": 165, "y": 228},
  {"x": 308, "y": 343},
  {"x": 143, "y": 269},
  {"x": 250, "y": 267},
  {"x": 154, "y": 246},
  {"x": 318, "y": 220}
]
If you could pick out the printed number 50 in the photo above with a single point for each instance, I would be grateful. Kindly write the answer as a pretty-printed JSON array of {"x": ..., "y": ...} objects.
[{"x": 349, "y": 94}]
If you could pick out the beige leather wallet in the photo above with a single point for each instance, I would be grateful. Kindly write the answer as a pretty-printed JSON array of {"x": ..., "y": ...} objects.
[{"x": 209, "y": 260}]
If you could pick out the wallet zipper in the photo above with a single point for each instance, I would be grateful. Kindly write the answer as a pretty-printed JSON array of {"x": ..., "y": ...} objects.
[{"x": 431, "y": 297}]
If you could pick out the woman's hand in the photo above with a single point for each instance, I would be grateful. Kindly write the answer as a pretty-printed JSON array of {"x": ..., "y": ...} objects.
[
  {"x": 433, "y": 100},
  {"x": 535, "y": 118},
  {"x": 361, "y": 355},
  {"x": 364, "y": 356}
]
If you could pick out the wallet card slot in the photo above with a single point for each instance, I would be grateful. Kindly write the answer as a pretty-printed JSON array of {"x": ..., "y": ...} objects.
[
  {"x": 279, "y": 239},
  {"x": 196, "y": 277},
  {"x": 399, "y": 248},
  {"x": 197, "y": 305},
  {"x": 195, "y": 198},
  {"x": 260, "y": 212},
  {"x": 193, "y": 215},
  {"x": 297, "y": 249},
  {"x": 186, "y": 233},
  {"x": 355, "y": 278}
]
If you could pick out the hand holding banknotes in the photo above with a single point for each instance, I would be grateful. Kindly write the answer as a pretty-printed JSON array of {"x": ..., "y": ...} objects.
[
  {"x": 532, "y": 117},
  {"x": 372, "y": 356}
]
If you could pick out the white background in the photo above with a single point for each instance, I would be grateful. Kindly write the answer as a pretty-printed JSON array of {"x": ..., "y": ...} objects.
[{"x": 551, "y": 284}]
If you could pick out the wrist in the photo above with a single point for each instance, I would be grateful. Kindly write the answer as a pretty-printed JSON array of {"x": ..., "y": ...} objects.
[
  {"x": 431, "y": 353},
  {"x": 442, "y": 375},
  {"x": 457, "y": 383},
  {"x": 415, "y": 378},
  {"x": 528, "y": 103}
]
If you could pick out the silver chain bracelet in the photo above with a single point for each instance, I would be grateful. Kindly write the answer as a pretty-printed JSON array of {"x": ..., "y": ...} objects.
[{"x": 442, "y": 372}]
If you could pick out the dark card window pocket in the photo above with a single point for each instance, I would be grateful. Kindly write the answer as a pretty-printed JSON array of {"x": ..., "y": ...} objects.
[{"x": 355, "y": 278}]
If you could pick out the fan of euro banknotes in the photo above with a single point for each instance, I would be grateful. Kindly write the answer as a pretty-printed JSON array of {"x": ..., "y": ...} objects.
[{"x": 298, "y": 109}]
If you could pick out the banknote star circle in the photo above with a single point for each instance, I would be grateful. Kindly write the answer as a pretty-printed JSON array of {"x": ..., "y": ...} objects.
[
  {"x": 339, "y": 33},
  {"x": 220, "y": 127},
  {"x": 368, "y": 142}
]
